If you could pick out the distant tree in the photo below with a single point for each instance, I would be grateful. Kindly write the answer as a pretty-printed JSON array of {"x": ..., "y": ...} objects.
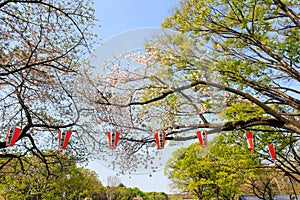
[
  {"x": 124, "y": 193},
  {"x": 121, "y": 192},
  {"x": 268, "y": 182},
  {"x": 219, "y": 171},
  {"x": 137, "y": 192},
  {"x": 68, "y": 182},
  {"x": 113, "y": 181},
  {"x": 226, "y": 169},
  {"x": 156, "y": 196},
  {"x": 112, "y": 186},
  {"x": 80, "y": 183}
]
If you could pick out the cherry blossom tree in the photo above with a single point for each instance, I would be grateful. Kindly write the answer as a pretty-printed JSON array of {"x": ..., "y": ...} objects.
[{"x": 43, "y": 44}]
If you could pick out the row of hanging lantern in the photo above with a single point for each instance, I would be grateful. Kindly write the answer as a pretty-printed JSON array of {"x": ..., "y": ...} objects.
[
  {"x": 13, "y": 134},
  {"x": 160, "y": 139},
  {"x": 63, "y": 138},
  {"x": 113, "y": 139},
  {"x": 250, "y": 142}
]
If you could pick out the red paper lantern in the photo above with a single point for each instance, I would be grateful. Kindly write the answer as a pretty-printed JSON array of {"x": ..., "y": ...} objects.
[
  {"x": 250, "y": 141},
  {"x": 12, "y": 136},
  {"x": 203, "y": 138},
  {"x": 113, "y": 139},
  {"x": 63, "y": 138},
  {"x": 160, "y": 139},
  {"x": 272, "y": 152}
]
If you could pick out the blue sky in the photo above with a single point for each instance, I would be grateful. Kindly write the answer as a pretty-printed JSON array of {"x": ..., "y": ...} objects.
[
  {"x": 123, "y": 15},
  {"x": 115, "y": 18}
]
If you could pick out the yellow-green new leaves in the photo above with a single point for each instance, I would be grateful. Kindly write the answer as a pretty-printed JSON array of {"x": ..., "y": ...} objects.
[
  {"x": 218, "y": 171},
  {"x": 239, "y": 111},
  {"x": 65, "y": 179},
  {"x": 255, "y": 47}
]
